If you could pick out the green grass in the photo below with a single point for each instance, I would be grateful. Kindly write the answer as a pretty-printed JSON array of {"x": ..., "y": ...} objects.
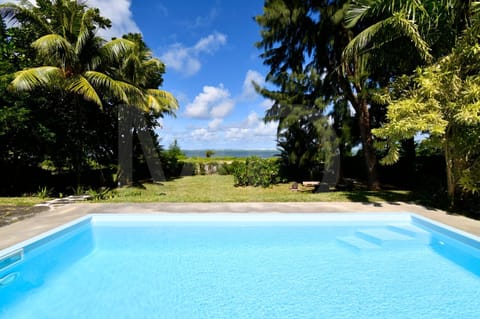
[
  {"x": 21, "y": 201},
  {"x": 218, "y": 188}
]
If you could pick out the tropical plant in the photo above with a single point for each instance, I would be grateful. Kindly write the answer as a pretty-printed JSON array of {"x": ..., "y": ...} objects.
[
  {"x": 82, "y": 70},
  {"x": 328, "y": 54},
  {"x": 442, "y": 102},
  {"x": 138, "y": 67},
  {"x": 298, "y": 46},
  {"x": 255, "y": 171}
]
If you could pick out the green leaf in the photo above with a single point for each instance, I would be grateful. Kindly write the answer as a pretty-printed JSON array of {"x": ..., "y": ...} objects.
[
  {"x": 80, "y": 86},
  {"x": 29, "y": 79}
]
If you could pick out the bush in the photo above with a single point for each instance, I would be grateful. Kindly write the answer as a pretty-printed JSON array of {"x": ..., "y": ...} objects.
[
  {"x": 256, "y": 172},
  {"x": 171, "y": 159},
  {"x": 225, "y": 169}
]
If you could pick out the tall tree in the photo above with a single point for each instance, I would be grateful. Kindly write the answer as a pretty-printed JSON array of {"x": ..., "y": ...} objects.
[
  {"x": 442, "y": 102},
  {"x": 138, "y": 67},
  {"x": 356, "y": 47},
  {"x": 392, "y": 38},
  {"x": 83, "y": 68},
  {"x": 299, "y": 47}
]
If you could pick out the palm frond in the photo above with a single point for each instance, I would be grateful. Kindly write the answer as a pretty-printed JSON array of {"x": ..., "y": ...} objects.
[
  {"x": 84, "y": 33},
  {"x": 55, "y": 49},
  {"x": 104, "y": 83},
  {"x": 24, "y": 12},
  {"x": 29, "y": 79},
  {"x": 115, "y": 50},
  {"x": 161, "y": 101},
  {"x": 359, "y": 10},
  {"x": 79, "y": 85},
  {"x": 153, "y": 62},
  {"x": 135, "y": 95},
  {"x": 410, "y": 30},
  {"x": 382, "y": 33}
]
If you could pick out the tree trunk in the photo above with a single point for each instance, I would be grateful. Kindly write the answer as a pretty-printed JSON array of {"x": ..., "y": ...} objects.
[
  {"x": 409, "y": 161},
  {"x": 341, "y": 162},
  {"x": 450, "y": 173},
  {"x": 355, "y": 94},
  {"x": 367, "y": 145}
]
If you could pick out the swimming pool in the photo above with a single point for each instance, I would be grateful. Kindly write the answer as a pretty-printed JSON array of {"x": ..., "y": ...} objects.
[{"x": 263, "y": 265}]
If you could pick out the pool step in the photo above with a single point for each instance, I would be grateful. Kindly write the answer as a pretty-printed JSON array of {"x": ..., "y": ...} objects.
[
  {"x": 385, "y": 237},
  {"x": 357, "y": 243},
  {"x": 413, "y": 231}
]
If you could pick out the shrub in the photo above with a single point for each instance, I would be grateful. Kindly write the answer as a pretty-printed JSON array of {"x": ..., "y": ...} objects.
[
  {"x": 171, "y": 159},
  {"x": 101, "y": 193},
  {"x": 256, "y": 172},
  {"x": 225, "y": 169},
  {"x": 209, "y": 153}
]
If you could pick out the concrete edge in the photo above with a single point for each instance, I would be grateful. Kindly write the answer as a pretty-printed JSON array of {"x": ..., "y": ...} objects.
[{"x": 45, "y": 221}]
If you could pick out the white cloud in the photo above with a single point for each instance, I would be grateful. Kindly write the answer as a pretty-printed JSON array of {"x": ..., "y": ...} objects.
[
  {"x": 222, "y": 109},
  {"x": 214, "y": 124},
  {"x": 252, "y": 128},
  {"x": 248, "y": 91},
  {"x": 119, "y": 13},
  {"x": 211, "y": 43},
  {"x": 186, "y": 60},
  {"x": 213, "y": 102},
  {"x": 258, "y": 127},
  {"x": 251, "y": 133},
  {"x": 267, "y": 103},
  {"x": 202, "y": 134},
  {"x": 252, "y": 119},
  {"x": 180, "y": 59},
  {"x": 266, "y": 129},
  {"x": 237, "y": 133},
  {"x": 202, "y": 21}
]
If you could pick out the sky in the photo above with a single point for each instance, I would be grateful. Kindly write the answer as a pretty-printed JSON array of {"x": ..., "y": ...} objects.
[{"x": 209, "y": 50}]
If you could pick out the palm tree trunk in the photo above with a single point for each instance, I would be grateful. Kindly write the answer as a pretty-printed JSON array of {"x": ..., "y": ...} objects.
[
  {"x": 79, "y": 145},
  {"x": 341, "y": 163},
  {"x": 359, "y": 102},
  {"x": 449, "y": 165},
  {"x": 367, "y": 145},
  {"x": 125, "y": 146}
]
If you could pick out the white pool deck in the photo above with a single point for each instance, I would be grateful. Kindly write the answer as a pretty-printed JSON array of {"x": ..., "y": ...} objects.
[{"x": 42, "y": 222}]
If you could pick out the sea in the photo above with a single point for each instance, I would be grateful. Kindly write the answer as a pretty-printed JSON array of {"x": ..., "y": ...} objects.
[{"x": 232, "y": 153}]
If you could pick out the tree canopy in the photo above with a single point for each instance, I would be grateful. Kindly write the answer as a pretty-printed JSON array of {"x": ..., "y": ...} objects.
[
  {"x": 80, "y": 77},
  {"x": 331, "y": 60}
]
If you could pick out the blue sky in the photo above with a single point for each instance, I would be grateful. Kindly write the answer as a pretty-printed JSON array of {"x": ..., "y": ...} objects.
[{"x": 208, "y": 47}]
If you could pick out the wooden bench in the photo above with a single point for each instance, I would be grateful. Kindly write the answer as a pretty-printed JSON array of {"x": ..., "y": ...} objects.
[
  {"x": 317, "y": 186},
  {"x": 310, "y": 183}
]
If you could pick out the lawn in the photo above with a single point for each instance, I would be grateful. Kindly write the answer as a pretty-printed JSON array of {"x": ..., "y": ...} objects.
[
  {"x": 21, "y": 201},
  {"x": 220, "y": 188}
]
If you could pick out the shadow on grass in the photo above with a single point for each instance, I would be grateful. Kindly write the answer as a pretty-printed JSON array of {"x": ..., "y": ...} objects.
[{"x": 389, "y": 196}]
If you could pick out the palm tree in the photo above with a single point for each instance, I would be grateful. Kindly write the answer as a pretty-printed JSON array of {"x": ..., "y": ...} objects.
[
  {"x": 139, "y": 68},
  {"x": 299, "y": 45},
  {"x": 71, "y": 59},
  {"x": 387, "y": 39},
  {"x": 82, "y": 65},
  {"x": 399, "y": 36}
]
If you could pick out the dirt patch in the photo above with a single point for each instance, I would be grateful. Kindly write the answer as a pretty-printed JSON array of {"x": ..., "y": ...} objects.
[{"x": 11, "y": 213}]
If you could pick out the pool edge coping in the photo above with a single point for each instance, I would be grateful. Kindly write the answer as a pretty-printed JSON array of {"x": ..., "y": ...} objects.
[
  {"x": 452, "y": 232},
  {"x": 49, "y": 220}
]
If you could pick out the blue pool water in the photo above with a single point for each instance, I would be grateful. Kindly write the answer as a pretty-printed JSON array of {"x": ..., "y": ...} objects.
[{"x": 244, "y": 266}]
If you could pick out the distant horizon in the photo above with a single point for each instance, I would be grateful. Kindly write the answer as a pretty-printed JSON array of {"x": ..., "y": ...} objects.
[{"x": 232, "y": 153}]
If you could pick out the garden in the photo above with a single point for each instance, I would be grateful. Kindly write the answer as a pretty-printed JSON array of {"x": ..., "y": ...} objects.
[{"x": 374, "y": 100}]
